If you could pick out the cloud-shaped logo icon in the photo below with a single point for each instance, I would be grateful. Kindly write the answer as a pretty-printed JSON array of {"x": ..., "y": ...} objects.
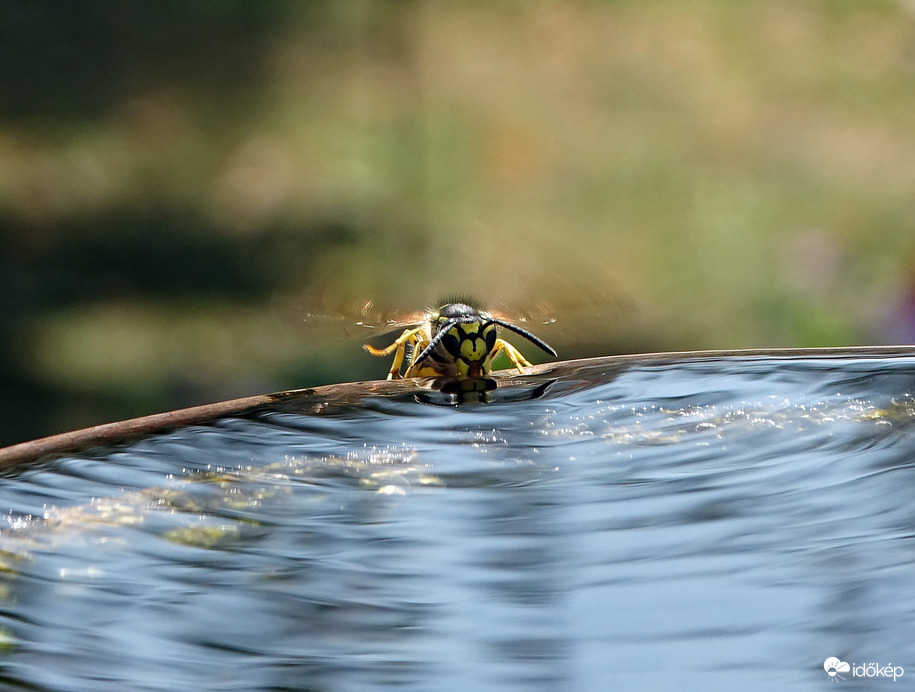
[{"x": 834, "y": 666}]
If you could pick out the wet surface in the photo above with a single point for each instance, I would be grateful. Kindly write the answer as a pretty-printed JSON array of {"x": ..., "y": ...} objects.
[{"x": 711, "y": 523}]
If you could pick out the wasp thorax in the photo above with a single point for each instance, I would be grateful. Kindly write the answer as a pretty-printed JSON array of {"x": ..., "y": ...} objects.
[{"x": 458, "y": 311}]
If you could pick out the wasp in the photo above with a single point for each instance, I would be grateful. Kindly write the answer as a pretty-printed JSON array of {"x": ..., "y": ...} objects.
[{"x": 458, "y": 340}]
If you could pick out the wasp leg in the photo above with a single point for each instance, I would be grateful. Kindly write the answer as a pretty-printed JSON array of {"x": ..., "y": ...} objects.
[
  {"x": 514, "y": 355},
  {"x": 397, "y": 348},
  {"x": 416, "y": 369}
]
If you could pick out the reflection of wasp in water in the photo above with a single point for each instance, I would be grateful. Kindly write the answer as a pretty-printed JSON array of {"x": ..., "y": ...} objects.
[{"x": 457, "y": 340}]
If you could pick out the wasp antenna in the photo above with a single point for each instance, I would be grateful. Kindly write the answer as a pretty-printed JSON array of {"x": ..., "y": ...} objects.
[
  {"x": 435, "y": 340},
  {"x": 526, "y": 334}
]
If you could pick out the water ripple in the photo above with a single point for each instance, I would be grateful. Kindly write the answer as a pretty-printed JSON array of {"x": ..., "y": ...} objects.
[{"x": 702, "y": 524}]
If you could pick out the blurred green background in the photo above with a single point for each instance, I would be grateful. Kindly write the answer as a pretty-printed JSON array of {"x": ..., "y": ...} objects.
[{"x": 197, "y": 198}]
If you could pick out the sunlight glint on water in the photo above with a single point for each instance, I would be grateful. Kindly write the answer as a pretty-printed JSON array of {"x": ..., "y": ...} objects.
[{"x": 714, "y": 524}]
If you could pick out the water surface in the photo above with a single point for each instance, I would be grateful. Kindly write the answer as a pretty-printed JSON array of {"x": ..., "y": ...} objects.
[{"x": 697, "y": 524}]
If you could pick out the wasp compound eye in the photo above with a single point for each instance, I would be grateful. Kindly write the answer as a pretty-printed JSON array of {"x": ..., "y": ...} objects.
[
  {"x": 490, "y": 336},
  {"x": 451, "y": 344}
]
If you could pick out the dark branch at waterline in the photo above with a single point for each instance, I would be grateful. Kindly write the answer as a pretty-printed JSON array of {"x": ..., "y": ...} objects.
[{"x": 318, "y": 400}]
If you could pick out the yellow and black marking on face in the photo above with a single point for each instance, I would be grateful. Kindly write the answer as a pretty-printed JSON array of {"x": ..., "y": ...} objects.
[
  {"x": 457, "y": 340},
  {"x": 466, "y": 340}
]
